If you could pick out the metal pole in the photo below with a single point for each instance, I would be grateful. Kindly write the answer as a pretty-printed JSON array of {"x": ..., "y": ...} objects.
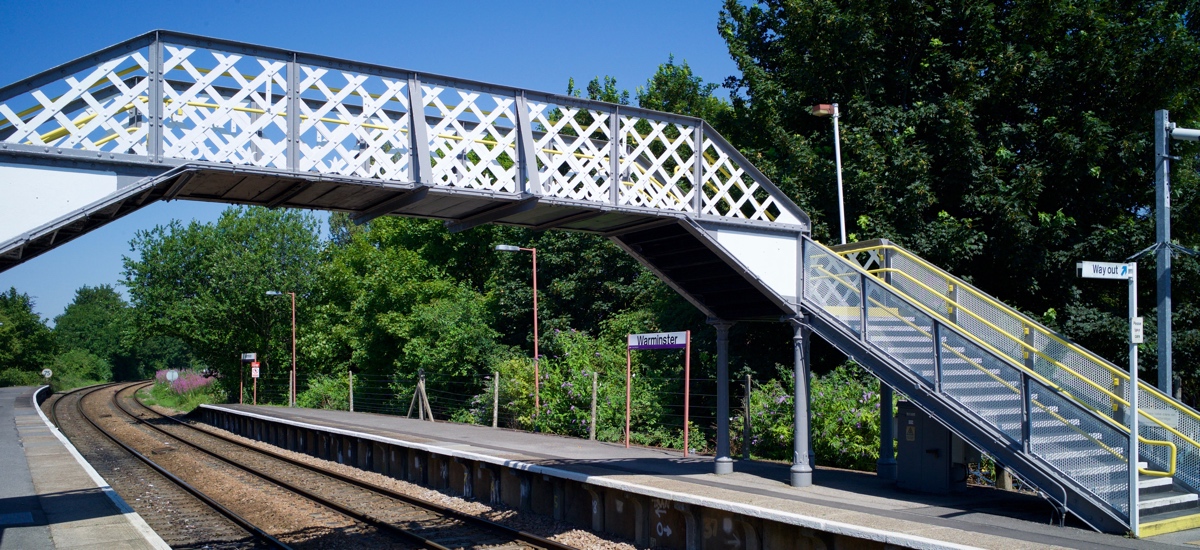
[
  {"x": 351, "y": 374},
  {"x": 242, "y": 384},
  {"x": 294, "y": 349},
  {"x": 746, "y": 421},
  {"x": 724, "y": 464},
  {"x": 628, "y": 383},
  {"x": 1133, "y": 404},
  {"x": 801, "y": 471},
  {"x": 837, "y": 155},
  {"x": 255, "y": 392},
  {"x": 687, "y": 387},
  {"x": 1162, "y": 215},
  {"x": 592, "y": 425},
  {"x": 496, "y": 400}
]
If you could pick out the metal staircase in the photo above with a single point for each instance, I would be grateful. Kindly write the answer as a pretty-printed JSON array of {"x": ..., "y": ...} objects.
[
  {"x": 1007, "y": 384},
  {"x": 167, "y": 116}
]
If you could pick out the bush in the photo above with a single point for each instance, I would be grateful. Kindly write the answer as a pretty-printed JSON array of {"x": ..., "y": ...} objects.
[
  {"x": 845, "y": 418},
  {"x": 18, "y": 377},
  {"x": 188, "y": 391},
  {"x": 77, "y": 368},
  {"x": 326, "y": 392}
]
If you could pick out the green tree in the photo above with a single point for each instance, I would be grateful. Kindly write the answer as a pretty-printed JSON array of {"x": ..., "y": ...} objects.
[
  {"x": 1004, "y": 142},
  {"x": 26, "y": 343},
  {"x": 206, "y": 284}
]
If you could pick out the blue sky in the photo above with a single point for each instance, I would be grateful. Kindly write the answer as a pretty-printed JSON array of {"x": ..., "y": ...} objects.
[{"x": 529, "y": 44}]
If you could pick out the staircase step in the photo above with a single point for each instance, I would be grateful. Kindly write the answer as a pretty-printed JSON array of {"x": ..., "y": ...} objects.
[
  {"x": 1168, "y": 522},
  {"x": 1168, "y": 502},
  {"x": 1154, "y": 484}
]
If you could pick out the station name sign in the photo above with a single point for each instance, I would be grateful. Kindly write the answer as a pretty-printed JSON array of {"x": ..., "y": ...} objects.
[
  {"x": 658, "y": 340},
  {"x": 1105, "y": 270}
]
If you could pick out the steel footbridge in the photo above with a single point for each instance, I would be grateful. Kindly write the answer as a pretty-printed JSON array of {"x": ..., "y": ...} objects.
[{"x": 171, "y": 116}]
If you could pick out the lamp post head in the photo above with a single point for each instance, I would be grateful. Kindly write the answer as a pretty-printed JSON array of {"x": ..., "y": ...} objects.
[
  {"x": 507, "y": 248},
  {"x": 824, "y": 109},
  {"x": 274, "y": 293}
]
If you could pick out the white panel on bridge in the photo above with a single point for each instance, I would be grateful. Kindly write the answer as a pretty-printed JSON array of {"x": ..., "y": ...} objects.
[
  {"x": 37, "y": 195},
  {"x": 769, "y": 255}
]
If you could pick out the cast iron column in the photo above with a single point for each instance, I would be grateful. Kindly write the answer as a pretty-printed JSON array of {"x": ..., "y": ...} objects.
[
  {"x": 801, "y": 459},
  {"x": 724, "y": 464},
  {"x": 886, "y": 466}
]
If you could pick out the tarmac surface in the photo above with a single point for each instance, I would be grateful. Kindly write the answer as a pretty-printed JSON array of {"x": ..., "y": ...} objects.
[
  {"x": 980, "y": 517},
  {"x": 50, "y": 497}
]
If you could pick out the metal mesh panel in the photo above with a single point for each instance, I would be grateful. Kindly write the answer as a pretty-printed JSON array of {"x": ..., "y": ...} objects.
[
  {"x": 983, "y": 383},
  {"x": 99, "y": 108},
  {"x": 1152, "y": 403},
  {"x": 472, "y": 137},
  {"x": 833, "y": 285},
  {"x": 354, "y": 124},
  {"x": 1089, "y": 451},
  {"x": 656, "y": 164},
  {"x": 224, "y": 107},
  {"x": 900, "y": 330},
  {"x": 573, "y": 150}
]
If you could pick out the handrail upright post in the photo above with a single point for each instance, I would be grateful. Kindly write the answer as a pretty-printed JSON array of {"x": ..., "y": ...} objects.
[
  {"x": 937, "y": 357},
  {"x": 1026, "y": 415},
  {"x": 862, "y": 301}
]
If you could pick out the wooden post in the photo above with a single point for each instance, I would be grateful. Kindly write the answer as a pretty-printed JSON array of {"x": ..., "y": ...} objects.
[
  {"x": 746, "y": 422},
  {"x": 242, "y": 384},
  {"x": 628, "y": 383},
  {"x": 496, "y": 399},
  {"x": 592, "y": 425},
  {"x": 351, "y": 375}
]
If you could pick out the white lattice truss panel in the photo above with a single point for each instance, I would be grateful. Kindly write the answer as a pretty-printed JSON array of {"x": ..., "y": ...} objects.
[
  {"x": 99, "y": 109},
  {"x": 657, "y": 164},
  {"x": 573, "y": 151},
  {"x": 472, "y": 144},
  {"x": 729, "y": 190},
  {"x": 354, "y": 124},
  {"x": 224, "y": 107},
  {"x": 172, "y": 99}
]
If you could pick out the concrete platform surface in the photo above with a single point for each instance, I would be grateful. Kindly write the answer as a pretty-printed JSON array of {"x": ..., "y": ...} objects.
[
  {"x": 839, "y": 499},
  {"x": 50, "y": 496}
]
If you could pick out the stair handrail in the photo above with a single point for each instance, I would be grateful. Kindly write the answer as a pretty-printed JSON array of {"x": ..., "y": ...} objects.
[
  {"x": 1025, "y": 321},
  {"x": 1023, "y": 368}
]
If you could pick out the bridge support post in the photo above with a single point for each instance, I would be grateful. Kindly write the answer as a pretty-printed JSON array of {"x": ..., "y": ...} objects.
[
  {"x": 801, "y": 472},
  {"x": 885, "y": 468},
  {"x": 724, "y": 464}
]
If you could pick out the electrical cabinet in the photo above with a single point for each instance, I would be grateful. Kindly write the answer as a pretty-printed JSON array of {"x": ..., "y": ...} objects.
[{"x": 930, "y": 458}]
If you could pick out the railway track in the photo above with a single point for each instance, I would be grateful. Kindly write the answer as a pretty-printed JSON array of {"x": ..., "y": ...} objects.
[
  {"x": 181, "y": 514},
  {"x": 405, "y": 520}
]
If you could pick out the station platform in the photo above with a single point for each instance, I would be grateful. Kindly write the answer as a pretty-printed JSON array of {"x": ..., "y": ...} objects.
[
  {"x": 842, "y": 508},
  {"x": 49, "y": 496}
]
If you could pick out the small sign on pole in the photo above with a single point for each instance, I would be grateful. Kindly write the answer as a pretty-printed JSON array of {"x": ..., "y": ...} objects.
[
  {"x": 660, "y": 340},
  {"x": 47, "y": 373},
  {"x": 249, "y": 357},
  {"x": 254, "y": 369}
]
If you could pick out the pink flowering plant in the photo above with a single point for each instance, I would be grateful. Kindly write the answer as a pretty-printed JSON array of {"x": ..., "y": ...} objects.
[{"x": 186, "y": 392}]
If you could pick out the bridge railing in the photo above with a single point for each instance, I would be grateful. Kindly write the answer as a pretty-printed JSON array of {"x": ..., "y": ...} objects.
[{"x": 173, "y": 98}]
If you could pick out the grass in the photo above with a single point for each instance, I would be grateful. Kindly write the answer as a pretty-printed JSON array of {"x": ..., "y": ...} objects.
[{"x": 162, "y": 395}]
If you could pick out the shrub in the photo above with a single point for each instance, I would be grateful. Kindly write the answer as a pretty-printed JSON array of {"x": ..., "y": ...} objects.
[
  {"x": 16, "y": 377},
  {"x": 190, "y": 390},
  {"x": 326, "y": 392}
]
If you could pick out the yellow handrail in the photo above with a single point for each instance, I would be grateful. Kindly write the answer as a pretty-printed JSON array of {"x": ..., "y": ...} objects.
[
  {"x": 1109, "y": 449},
  {"x": 950, "y": 279}
]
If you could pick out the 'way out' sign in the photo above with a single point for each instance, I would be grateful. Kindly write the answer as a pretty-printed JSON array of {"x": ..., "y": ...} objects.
[
  {"x": 1104, "y": 270},
  {"x": 658, "y": 340}
]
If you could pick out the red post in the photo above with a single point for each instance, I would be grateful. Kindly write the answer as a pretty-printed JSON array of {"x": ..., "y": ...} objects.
[
  {"x": 255, "y": 392},
  {"x": 628, "y": 383},
  {"x": 687, "y": 389},
  {"x": 242, "y": 384}
]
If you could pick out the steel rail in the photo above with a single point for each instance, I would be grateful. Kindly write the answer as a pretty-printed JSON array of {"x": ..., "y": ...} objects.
[
  {"x": 412, "y": 501},
  {"x": 216, "y": 506}
]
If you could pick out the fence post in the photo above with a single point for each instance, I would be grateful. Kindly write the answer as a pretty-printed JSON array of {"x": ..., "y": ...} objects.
[
  {"x": 351, "y": 374},
  {"x": 496, "y": 399},
  {"x": 592, "y": 425},
  {"x": 746, "y": 422}
]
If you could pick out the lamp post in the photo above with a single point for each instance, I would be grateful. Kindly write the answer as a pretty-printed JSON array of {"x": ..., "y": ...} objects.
[
  {"x": 292, "y": 400},
  {"x": 536, "y": 374},
  {"x": 831, "y": 109}
]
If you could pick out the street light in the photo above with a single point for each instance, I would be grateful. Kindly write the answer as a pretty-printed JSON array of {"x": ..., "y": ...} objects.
[
  {"x": 293, "y": 382},
  {"x": 536, "y": 373},
  {"x": 831, "y": 109}
]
